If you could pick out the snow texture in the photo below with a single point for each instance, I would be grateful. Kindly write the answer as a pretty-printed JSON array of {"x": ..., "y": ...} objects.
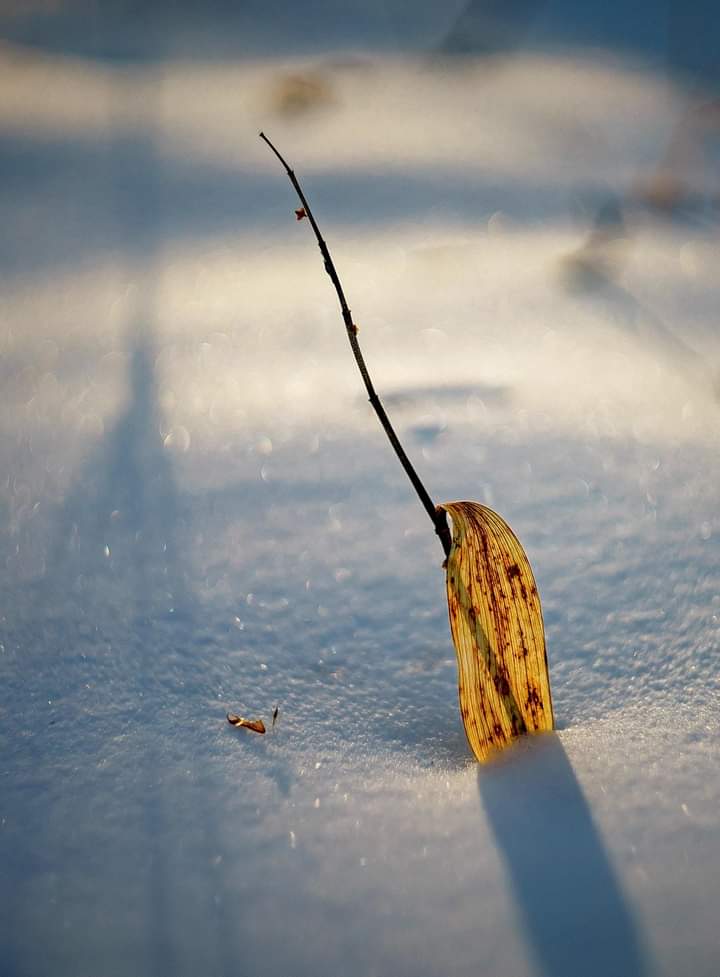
[{"x": 199, "y": 512}]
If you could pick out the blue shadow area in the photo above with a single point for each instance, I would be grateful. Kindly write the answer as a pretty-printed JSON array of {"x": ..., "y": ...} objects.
[
  {"x": 84, "y": 189},
  {"x": 572, "y": 908},
  {"x": 679, "y": 38}
]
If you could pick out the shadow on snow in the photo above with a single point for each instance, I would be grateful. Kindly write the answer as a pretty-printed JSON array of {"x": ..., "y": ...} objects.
[{"x": 570, "y": 902}]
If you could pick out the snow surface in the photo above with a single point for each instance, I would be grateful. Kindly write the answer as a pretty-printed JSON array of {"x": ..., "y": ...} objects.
[{"x": 200, "y": 514}]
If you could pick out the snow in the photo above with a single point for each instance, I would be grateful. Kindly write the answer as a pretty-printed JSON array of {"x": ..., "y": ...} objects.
[{"x": 200, "y": 514}]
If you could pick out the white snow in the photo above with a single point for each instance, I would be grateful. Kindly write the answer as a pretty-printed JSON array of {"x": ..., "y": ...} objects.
[{"x": 200, "y": 515}]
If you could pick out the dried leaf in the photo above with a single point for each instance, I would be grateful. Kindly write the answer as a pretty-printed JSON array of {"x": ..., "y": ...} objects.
[
  {"x": 302, "y": 93},
  {"x": 497, "y": 628},
  {"x": 257, "y": 725},
  {"x": 300, "y": 213}
]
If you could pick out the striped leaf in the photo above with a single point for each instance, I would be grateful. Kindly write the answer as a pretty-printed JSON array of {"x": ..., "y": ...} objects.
[{"x": 497, "y": 629}]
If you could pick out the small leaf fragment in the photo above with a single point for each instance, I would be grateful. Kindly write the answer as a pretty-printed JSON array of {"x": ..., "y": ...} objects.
[
  {"x": 497, "y": 629},
  {"x": 300, "y": 213},
  {"x": 256, "y": 725}
]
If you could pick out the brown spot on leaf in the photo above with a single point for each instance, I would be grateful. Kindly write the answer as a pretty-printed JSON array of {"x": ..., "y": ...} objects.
[
  {"x": 497, "y": 630},
  {"x": 502, "y": 685}
]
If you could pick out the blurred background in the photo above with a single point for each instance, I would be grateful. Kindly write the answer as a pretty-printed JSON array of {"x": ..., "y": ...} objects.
[
  {"x": 198, "y": 512},
  {"x": 540, "y": 183}
]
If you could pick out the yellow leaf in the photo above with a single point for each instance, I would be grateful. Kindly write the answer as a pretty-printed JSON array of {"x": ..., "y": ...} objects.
[
  {"x": 256, "y": 725},
  {"x": 497, "y": 629}
]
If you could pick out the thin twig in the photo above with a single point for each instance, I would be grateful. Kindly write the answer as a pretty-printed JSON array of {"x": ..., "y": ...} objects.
[{"x": 437, "y": 516}]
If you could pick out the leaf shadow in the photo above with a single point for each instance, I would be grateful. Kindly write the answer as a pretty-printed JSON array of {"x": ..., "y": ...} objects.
[{"x": 572, "y": 909}]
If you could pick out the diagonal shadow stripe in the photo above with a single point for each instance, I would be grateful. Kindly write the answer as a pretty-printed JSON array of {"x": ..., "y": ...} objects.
[{"x": 574, "y": 914}]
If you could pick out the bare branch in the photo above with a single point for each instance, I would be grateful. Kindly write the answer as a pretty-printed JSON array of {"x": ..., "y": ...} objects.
[{"x": 437, "y": 516}]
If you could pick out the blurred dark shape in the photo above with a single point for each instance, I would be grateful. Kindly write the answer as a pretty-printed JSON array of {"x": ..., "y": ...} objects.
[
  {"x": 575, "y": 916},
  {"x": 420, "y": 396},
  {"x": 671, "y": 188},
  {"x": 301, "y": 93},
  {"x": 609, "y": 222},
  {"x": 677, "y": 40},
  {"x": 590, "y": 273},
  {"x": 600, "y": 256},
  {"x": 662, "y": 190},
  {"x": 428, "y": 433},
  {"x": 487, "y": 27}
]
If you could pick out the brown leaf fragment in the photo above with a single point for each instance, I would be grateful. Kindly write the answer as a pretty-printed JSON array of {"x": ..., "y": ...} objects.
[
  {"x": 302, "y": 93},
  {"x": 300, "y": 213},
  {"x": 256, "y": 725},
  {"x": 497, "y": 629}
]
